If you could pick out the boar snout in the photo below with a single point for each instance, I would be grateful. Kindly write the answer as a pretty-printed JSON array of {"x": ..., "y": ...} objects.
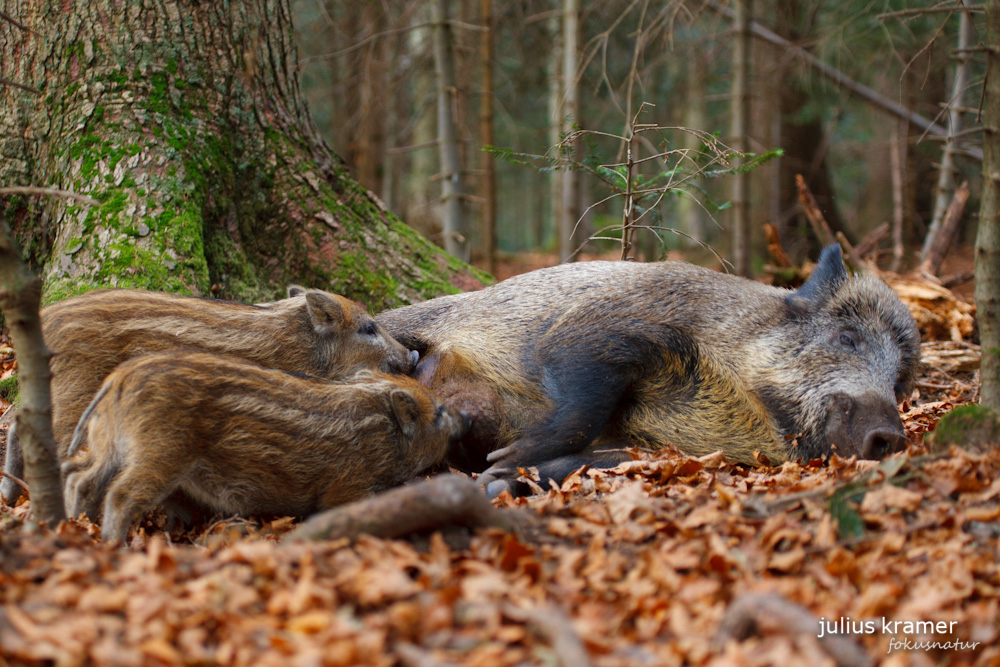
[{"x": 867, "y": 425}]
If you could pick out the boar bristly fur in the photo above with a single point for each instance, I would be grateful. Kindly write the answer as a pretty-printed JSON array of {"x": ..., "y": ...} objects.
[
  {"x": 311, "y": 332},
  {"x": 241, "y": 439},
  {"x": 566, "y": 362}
]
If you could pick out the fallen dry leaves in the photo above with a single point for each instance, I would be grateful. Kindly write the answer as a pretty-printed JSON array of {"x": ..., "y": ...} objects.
[{"x": 637, "y": 565}]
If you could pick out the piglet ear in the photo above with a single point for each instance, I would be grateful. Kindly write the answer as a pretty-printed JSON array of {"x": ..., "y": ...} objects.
[
  {"x": 327, "y": 315},
  {"x": 406, "y": 411},
  {"x": 295, "y": 290},
  {"x": 824, "y": 282}
]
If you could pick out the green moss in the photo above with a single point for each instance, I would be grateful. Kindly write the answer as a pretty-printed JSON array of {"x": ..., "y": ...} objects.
[
  {"x": 220, "y": 219},
  {"x": 235, "y": 273},
  {"x": 65, "y": 288},
  {"x": 972, "y": 426},
  {"x": 9, "y": 389}
]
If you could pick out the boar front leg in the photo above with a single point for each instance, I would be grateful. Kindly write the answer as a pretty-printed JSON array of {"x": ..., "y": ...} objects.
[{"x": 586, "y": 373}]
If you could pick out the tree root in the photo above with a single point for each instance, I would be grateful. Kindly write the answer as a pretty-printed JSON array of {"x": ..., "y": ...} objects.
[
  {"x": 758, "y": 613},
  {"x": 439, "y": 502}
]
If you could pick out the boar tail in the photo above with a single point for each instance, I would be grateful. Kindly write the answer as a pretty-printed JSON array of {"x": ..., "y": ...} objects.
[{"x": 80, "y": 434}]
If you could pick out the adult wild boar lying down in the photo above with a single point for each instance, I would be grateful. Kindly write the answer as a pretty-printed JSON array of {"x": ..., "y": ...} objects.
[{"x": 564, "y": 366}]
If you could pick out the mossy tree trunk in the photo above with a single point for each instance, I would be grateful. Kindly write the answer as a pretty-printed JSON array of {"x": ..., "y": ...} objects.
[{"x": 185, "y": 120}]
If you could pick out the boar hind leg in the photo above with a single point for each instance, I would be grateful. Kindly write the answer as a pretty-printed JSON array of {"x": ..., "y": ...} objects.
[
  {"x": 557, "y": 470},
  {"x": 87, "y": 481},
  {"x": 134, "y": 492}
]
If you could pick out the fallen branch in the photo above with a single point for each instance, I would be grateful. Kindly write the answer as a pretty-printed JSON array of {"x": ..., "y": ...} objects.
[
  {"x": 411, "y": 655},
  {"x": 946, "y": 234},
  {"x": 870, "y": 242},
  {"x": 769, "y": 613},
  {"x": 815, "y": 217},
  {"x": 853, "y": 258},
  {"x": 556, "y": 628},
  {"x": 436, "y": 503},
  {"x": 16, "y": 480},
  {"x": 49, "y": 192},
  {"x": 774, "y": 248},
  {"x": 955, "y": 279}
]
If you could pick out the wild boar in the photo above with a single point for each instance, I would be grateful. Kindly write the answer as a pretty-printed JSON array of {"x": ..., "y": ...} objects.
[
  {"x": 564, "y": 366},
  {"x": 310, "y": 332},
  {"x": 240, "y": 439}
]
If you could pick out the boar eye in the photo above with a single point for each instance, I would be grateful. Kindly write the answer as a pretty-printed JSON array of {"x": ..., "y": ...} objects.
[
  {"x": 847, "y": 340},
  {"x": 369, "y": 328}
]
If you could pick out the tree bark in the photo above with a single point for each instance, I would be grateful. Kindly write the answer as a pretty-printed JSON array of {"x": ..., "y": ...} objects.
[
  {"x": 946, "y": 174},
  {"x": 455, "y": 238},
  {"x": 739, "y": 126},
  {"x": 947, "y": 232},
  {"x": 570, "y": 115},
  {"x": 489, "y": 178},
  {"x": 555, "y": 91},
  {"x": 988, "y": 238},
  {"x": 802, "y": 133},
  {"x": 20, "y": 299},
  {"x": 185, "y": 120},
  {"x": 420, "y": 207},
  {"x": 897, "y": 158}
]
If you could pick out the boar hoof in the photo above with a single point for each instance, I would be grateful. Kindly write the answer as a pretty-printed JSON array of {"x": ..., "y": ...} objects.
[{"x": 498, "y": 486}]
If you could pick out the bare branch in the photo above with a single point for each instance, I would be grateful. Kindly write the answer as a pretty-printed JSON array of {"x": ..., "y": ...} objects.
[
  {"x": 842, "y": 79},
  {"x": 902, "y": 13},
  {"x": 15, "y": 84},
  {"x": 10, "y": 19},
  {"x": 51, "y": 192}
]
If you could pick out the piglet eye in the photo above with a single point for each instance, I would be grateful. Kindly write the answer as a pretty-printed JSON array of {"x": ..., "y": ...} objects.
[
  {"x": 369, "y": 328},
  {"x": 847, "y": 340}
]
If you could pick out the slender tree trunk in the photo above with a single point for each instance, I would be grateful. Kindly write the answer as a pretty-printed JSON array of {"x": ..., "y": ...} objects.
[
  {"x": 740, "y": 124},
  {"x": 804, "y": 141},
  {"x": 186, "y": 122},
  {"x": 946, "y": 175},
  {"x": 695, "y": 110},
  {"x": 489, "y": 178},
  {"x": 570, "y": 213},
  {"x": 988, "y": 237},
  {"x": 455, "y": 241},
  {"x": 555, "y": 61},
  {"x": 20, "y": 299},
  {"x": 371, "y": 92},
  {"x": 898, "y": 162},
  {"x": 421, "y": 198}
]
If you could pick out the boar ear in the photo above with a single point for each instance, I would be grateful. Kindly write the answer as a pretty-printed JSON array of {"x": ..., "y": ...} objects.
[
  {"x": 326, "y": 314},
  {"x": 295, "y": 290},
  {"x": 406, "y": 410},
  {"x": 824, "y": 282}
]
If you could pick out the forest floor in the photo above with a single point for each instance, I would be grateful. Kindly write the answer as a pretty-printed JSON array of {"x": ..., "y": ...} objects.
[{"x": 664, "y": 560}]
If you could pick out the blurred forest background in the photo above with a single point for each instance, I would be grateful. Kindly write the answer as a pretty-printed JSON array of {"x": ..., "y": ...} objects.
[{"x": 874, "y": 103}]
